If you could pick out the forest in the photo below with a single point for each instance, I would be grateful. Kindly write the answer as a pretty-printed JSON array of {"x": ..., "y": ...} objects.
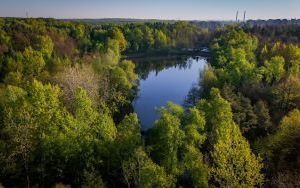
[{"x": 65, "y": 87}]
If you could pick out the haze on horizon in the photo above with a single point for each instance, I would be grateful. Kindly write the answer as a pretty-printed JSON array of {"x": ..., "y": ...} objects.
[{"x": 152, "y": 9}]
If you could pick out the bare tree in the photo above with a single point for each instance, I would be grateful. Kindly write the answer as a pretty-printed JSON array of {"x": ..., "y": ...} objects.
[
  {"x": 78, "y": 76},
  {"x": 23, "y": 141}
]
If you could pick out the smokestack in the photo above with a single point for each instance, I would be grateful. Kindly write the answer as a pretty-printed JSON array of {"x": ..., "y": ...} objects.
[
  {"x": 237, "y": 16},
  {"x": 244, "y": 16}
]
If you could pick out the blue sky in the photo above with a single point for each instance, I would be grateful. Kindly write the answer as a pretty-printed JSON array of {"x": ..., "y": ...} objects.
[{"x": 158, "y": 9}]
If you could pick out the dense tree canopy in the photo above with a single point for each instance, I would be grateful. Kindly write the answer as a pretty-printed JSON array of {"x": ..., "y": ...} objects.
[
  {"x": 233, "y": 163},
  {"x": 261, "y": 82},
  {"x": 64, "y": 87}
]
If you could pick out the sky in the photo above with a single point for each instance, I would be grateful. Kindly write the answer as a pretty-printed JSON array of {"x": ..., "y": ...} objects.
[{"x": 155, "y": 9}]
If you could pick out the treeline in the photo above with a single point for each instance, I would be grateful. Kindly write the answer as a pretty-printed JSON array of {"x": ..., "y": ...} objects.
[
  {"x": 266, "y": 34},
  {"x": 133, "y": 38}
]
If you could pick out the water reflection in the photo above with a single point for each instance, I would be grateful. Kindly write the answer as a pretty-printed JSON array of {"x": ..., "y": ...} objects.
[{"x": 162, "y": 80}]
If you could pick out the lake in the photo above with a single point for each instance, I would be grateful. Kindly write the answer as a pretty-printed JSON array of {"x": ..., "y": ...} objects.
[{"x": 163, "y": 80}]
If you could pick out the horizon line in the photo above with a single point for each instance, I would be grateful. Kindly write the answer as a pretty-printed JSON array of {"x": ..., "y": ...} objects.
[{"x": 158, "y": 19}]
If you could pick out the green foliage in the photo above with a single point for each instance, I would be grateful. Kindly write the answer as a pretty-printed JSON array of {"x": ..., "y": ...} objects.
[
  {"x": 78, "y": 31},
  {"x": 129, "y": 135},
  {"x": 52, "y": 134},
  {"x": 33, "y": 63},
  {"x": 45, "y": 45},
  {"x": 29, "y": 118},
  {"x": 92, "y": 180},
  {"x": 175, "y": 142},
  {"x": 83, "y": 107},
  {"x": 121, "y": 149},
  {"x": 251, "y": 84},
  {"x": 234, "y": 59},
  {"x": 281, "y": 149},
  {"x": 288, "y": 129},
  {"x": 160, "y": 39},
  {"x": 67, "y": 132},
  {"x": 118, "y": 35},
  {"x": 264, "y": 122},
  {"x": 112, "y": 54},
  {"x": 195, "y": 128},
  {"x": 4, "y": 41},
  {"x": 129, "y": 68},
  {"x": 119, "y": 85},
  {"x": 274, "y": 69},
  {"x": 286, "y": 93},
  {"x": 167, "y": 138},
  {"x": 233, "y": 163},
  {"x": 162, "y": 36},
  {"x": 243, "y": 112},
  {"x": 154, "y": 176},
  {"x": 289, "y": 52},
  {"x": 195, "y": 167},
  {"x": 231, "y": 40},
  {"x": 209, "y": 79},
  {"x": 140, "y": 171},
  {"x": 195, "y": 136}
]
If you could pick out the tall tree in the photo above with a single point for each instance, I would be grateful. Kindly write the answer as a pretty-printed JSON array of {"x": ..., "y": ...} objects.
[
  {"x": 274, "y": 70},
  {"x": 167, "y": 138},
  {"x": 233, "y": 163},
  {"x": 140, "y": 171}
]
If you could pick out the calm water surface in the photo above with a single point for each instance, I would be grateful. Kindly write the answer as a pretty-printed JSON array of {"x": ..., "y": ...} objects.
[{"x": 164, "y": 80}]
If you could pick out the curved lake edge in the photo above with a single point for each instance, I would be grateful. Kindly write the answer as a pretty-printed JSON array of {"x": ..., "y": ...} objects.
[
  {"x": 203, "y": 51},
  {"x": 160, "y": 83}
]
